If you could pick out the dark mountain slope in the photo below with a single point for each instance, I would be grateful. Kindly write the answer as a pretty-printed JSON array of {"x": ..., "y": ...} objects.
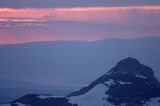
[{"x": 129, "y": 83}]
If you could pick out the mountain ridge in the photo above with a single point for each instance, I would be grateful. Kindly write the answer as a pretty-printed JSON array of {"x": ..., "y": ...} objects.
[
  {"x": 83, "y": 41},
  {"x": 129, "y": 83},
  {"x": 70, "y": 59},
  {"x": 122, "y": 65}
]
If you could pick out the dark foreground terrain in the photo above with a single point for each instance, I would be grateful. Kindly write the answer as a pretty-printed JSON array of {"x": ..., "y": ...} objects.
[{"x": 129, "y": 83}]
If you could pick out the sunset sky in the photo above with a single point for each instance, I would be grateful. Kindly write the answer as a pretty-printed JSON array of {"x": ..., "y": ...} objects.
[{"x": 88, "y": 20}]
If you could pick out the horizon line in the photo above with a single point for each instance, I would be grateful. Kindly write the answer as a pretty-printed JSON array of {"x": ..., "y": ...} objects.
[{"x": 87, "y": 41}]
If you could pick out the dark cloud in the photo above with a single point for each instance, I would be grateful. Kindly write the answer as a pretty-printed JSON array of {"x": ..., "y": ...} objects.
[{"x": 72, "y": 3}]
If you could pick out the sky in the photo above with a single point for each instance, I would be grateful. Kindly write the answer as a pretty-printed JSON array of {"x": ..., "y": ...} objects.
[
  {"x": 24, "y": 21},
  {"x": 88, "y": 20}
]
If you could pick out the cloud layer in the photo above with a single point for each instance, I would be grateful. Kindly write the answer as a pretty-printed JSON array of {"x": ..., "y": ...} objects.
[
  {"x": 78, "y": 23},
  {"x": 115, "y": 15},
  {"x": 73, "y": 3}
]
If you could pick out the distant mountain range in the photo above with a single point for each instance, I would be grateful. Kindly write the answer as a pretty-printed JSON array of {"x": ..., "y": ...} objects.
[{"x": 129, "y": 83}]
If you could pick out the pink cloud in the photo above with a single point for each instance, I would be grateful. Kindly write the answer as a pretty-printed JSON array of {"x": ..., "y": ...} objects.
[
  {"x": 28, "y": 24},
  {"x": 115, "y": 15}
]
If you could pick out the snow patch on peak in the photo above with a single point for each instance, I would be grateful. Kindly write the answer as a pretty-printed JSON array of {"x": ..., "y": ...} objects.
[
  {"x": 43, "y": 96},
  {"x": 153, "y": 102},
  {"x": 49, "y": 96},
  {"x": 140, "y": 76},
  {"x": 122, "y": 83},
  {"x": 109, "y": 82},
  {"x": 57, "y": 96},
  {"x": 19, "y": 104},
  {"x": 95, "y": 97}
]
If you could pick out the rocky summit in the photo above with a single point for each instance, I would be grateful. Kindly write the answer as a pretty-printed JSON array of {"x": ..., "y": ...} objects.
[{"x": 129, "y": 83}]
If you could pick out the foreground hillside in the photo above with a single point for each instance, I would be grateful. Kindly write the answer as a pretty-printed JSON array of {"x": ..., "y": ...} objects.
[
  {"x": 39, "y": 65},
  {"x": 129, "y": 83}
]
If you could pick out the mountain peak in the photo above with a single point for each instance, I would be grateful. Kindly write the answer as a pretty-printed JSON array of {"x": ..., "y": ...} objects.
[
  {"x": 132, "y": 66},
  {"x": 127, "y": 70},
  {"x": 128, "y": 61},
  {"x": 129, "y": 83}
]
